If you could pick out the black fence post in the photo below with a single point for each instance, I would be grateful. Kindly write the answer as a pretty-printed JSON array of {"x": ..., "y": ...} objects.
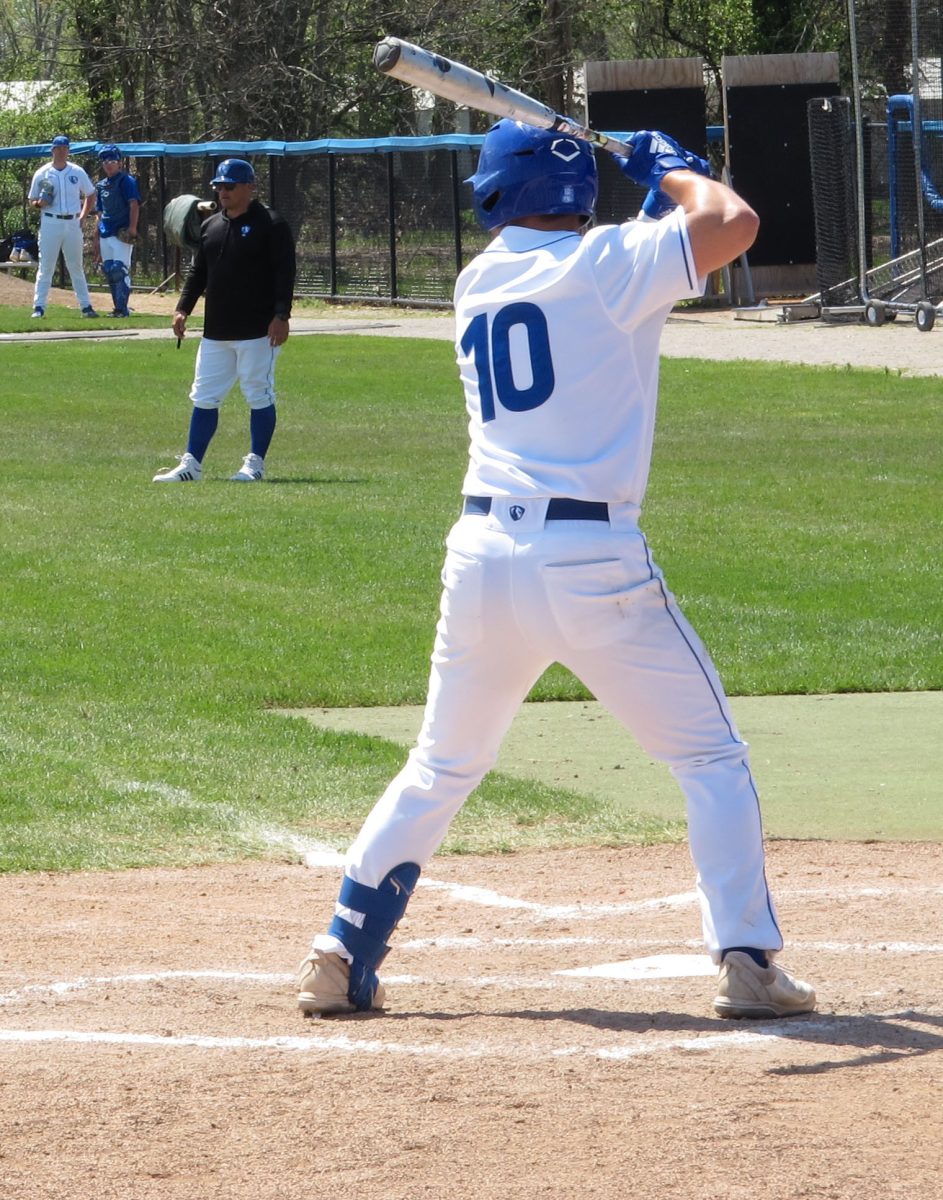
[
  {"x": 272, "y": 168},
  {"x": 162, "y": 191},
  {"x": 391, "y": 202},
  {"x": 332, "y": 217},
  {"x": 456, "y": 211}
]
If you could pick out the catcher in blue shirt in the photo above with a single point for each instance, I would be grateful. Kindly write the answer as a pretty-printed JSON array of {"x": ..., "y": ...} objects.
[{"x": 118, "y": 202}]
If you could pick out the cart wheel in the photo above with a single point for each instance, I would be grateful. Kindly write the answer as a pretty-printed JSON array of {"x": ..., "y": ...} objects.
[
  {"x": 875, "y": 313},
  {"x": 924, "y": 316}
]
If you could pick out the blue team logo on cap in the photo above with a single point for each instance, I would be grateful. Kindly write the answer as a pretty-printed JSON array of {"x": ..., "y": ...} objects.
[{"x": 517, "y": 511}]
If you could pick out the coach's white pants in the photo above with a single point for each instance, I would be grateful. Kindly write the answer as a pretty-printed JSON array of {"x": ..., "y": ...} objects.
[
  {"x": 518, "y": 596},
  {"x": 219, "y": 364},
  {"x": 66, "y": 237}
]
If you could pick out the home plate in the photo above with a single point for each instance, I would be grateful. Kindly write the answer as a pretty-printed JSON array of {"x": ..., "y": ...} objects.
[{"x": 656, "y": 966}]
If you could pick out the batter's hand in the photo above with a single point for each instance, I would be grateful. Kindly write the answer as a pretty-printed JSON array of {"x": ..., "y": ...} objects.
[
  {"x": 658, "y": 204},
  {"x": 278, "y": 331},
  {"x": 180, "y": 324},
  {"x": 653, "y": 155}
]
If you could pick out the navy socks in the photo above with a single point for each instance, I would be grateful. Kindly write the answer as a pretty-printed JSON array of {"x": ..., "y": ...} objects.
[
  {"x": 203, "y": 422},
  {"x": 261, "y": 428}
]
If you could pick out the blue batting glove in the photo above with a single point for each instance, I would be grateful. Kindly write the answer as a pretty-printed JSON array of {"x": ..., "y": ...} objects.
[
  {"x": 653, "y": 155},
  {"x": 657, "y": 204}
]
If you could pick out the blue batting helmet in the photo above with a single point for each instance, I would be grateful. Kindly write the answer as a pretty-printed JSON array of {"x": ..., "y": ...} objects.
[
  {"x": 109, "y": 153},
  {"x": 523, "y": 171},
  {"x": 233, "y": 170}
]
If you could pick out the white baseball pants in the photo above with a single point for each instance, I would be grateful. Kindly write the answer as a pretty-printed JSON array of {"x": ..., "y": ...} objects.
[
  {"x": 65, "y": 237},
  {"x": 219, "y": 364},
  {"x": 521, "y": 594},
  {"x": 113, "y": 248}
]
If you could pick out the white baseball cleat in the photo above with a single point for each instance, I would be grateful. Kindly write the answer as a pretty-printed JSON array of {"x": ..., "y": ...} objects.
[
  {"x": 188, "y": 470},
  {"x": 322, "y": 988},
  {"x": 252, "y": 469},
  {"x": 746, "y": 989}
]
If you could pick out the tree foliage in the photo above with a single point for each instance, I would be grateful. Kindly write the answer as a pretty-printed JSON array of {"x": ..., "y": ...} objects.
[{"x": 198, "y": 70}]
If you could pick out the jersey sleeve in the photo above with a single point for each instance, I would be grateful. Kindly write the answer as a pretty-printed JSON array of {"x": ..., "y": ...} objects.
[{"x": 642, "y": 267}]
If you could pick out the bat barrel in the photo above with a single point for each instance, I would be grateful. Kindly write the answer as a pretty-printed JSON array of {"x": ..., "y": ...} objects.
[
  {"x": 386, "y": 54},
  {"x": 466, "y": 86}
]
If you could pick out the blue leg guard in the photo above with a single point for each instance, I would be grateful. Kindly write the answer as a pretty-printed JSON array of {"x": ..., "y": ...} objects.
[
  {"x": 382, "y": 907},
  {"x": 119, "y": 284}
]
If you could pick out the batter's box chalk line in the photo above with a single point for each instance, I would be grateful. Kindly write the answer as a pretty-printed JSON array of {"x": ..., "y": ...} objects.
[{"x": 759, "y": 1036}]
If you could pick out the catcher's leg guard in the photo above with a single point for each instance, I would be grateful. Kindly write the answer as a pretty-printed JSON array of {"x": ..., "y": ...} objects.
[
  {"x": 119, "y": 284},
  {"x": 382, "y": 907}
]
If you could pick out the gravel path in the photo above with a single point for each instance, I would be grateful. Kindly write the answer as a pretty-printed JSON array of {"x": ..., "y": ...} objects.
[
  {"x": 721, "y": 335},
  {"x": 690, "y": 333}
]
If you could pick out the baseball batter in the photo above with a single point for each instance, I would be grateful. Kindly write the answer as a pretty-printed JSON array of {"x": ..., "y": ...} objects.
[
  {"x": 118, "y": 203},
  {"x": 63, "y": 193},
  {"x": 557, "y": 341}
]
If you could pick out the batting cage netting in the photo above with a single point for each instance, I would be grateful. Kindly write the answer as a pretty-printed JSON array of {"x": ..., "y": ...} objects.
[{"x": 877, "y": 167}]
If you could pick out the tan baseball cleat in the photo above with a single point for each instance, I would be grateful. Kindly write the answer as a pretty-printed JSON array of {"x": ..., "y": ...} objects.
[
  {"x": 746, "y": 989},
  {"x": 322, "y": 988}
]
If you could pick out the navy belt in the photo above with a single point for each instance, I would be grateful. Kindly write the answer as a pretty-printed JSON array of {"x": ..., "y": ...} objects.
[
  {"x": 560, "y": 508},
  {"x": 62, "y": 216}
]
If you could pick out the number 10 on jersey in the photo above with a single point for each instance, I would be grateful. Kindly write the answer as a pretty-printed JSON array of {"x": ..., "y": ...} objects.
[{"x": 489, "y": 348}]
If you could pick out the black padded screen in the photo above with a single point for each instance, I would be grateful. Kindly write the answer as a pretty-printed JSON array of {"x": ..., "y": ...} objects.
[
  {"x": 770, "y": 166},
  {"x": 679, "y": 112}
]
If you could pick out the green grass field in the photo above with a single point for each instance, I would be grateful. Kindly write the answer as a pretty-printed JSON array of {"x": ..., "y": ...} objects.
[{"x": 149, "y": 630}]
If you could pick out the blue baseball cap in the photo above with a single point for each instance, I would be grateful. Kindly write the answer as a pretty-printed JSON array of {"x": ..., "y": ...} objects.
[
  {"x": 109, "y": 153},
  {"x": 233, "y": 170},
  {"x": 61, "y": 140}
]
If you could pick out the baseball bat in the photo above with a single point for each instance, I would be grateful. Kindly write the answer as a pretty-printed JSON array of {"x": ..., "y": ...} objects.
[{"x": 470, "y": 88}]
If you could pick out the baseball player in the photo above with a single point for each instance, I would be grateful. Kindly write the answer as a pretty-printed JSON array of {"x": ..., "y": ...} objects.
[
  {"x": 557, "y": 340},
  {"x": 118, "y": 201},
  {"x": 64, "y": 194},
  {"x": 246, "y": 267}
]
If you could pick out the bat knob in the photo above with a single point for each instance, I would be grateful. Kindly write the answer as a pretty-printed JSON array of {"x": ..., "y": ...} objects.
[{"x": 386, "y": 53}]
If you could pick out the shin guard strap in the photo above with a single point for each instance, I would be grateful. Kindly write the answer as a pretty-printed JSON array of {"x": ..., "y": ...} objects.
[{"x": 368, "y": 950}]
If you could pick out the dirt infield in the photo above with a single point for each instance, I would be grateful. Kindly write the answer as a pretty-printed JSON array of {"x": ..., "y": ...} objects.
[{"x": 150, "y": 1046}]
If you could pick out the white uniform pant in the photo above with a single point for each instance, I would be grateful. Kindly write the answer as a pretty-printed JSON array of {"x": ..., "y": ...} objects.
[
  {"x": 520, "y": 595},
  {"x": 219, "y": 364},
  {"x": 57, "y": 236}
]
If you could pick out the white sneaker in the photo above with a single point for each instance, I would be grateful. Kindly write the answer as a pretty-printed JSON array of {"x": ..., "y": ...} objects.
[
  {"x": 252, "y": 469},
  {"x": 746, "y": 989},
  {"x": 188, "y": 470},
  {"x": 322, "y": 988}
]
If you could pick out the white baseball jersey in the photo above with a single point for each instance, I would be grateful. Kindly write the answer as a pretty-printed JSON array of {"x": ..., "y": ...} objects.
[
  {"x": 558, "y": 405},
  {"x": 71, "y": 185}
]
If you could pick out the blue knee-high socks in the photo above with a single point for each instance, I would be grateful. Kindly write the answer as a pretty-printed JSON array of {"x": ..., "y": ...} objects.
[
  {"x": 203, "y": 422},
  {"x": 261, "y": 428}
]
